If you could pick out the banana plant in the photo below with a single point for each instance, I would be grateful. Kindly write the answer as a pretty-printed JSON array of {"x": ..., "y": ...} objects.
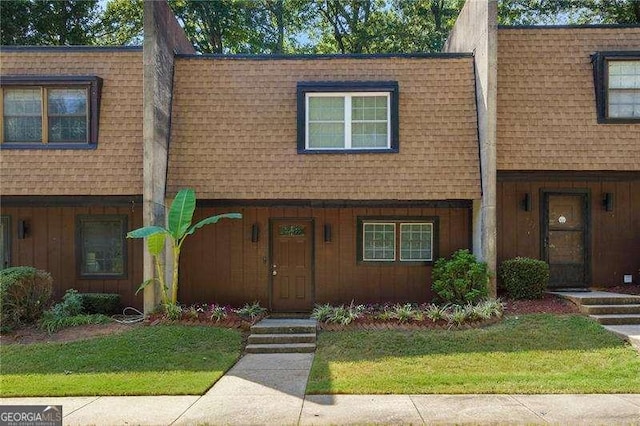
[{"x": 179, "y": 227}]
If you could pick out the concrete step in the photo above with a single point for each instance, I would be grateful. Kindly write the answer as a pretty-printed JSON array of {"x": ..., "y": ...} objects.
[
  {"x": 610, "y": 309},
  {"x": 617, "y": 319},
  {"x": 256, "y": 339},
  {"x": 281, "y": 348},
  {"x": 284, "y": 326}
]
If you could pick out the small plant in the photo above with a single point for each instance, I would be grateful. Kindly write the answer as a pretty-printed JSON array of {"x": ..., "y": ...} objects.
[
  {"x": 218, "y": 313},
  {"x": 191, "y": 313},
  {"x": 51, "y": 322},
  {"x": 458, "y": 315},
  {"x": 345, "y": 314},
  {"x": 322, "y": 312},
  {"x": 524, "y": 278},
  {"x": 252, "y": 310},
  {"x": 435, "y": 313},
  {"x": 461, "y": 279},
  {"x": 173, "y": 311},
  {"x": 404, "y": 313},
  {"x": 71, "y": 304},
  {"x": 24, "y": 294},
  {"x": 489, "y": 308}
]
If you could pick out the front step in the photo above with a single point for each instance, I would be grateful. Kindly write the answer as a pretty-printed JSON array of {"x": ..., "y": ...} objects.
[
  {"x": 617, "y": 319},
  {"x": 281, "y": 348},
  {"x": 280, "y": 335},
  {"x": 267, "y": 339},
  {"x": 610, "y": 309}
]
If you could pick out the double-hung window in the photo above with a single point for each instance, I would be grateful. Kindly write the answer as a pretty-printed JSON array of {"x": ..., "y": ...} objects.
[
  {"x": 617, "y": 78},
  {"x": 49, "y": 112},
  {"x": 347, "y": 117},
  {"x": 396, "y": 240}
]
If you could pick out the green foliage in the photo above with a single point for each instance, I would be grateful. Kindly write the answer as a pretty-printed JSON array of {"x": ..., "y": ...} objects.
[
  {"x": 524, "y": 278},
  {"x": 544, "y": 12},
  {"x": 342, "y": 314},
  {"x": 404, "y": 313},
  {"x": 435, "y": 312},
  {"x": 100, "y": 303},
  {"x": 48, "y": 22},
  {"x": 24, "y": 293},
  {"x": 322, "y": 312},
  {"x": 461, "y": 279},
  {"x": 173, "y": 311},
  {"x": 178, "y": 228},
  {"x": 251, "y": 310},
  {"x": 70, "y": 312},
  {"x": 218, "y": 313},
  {"x": 52, "y": 322}
]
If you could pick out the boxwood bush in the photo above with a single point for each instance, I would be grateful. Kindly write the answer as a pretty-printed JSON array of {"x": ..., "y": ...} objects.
[
  {"x": 461, "y": 279},
  {"x": 24, "y": 294},
  {"x": 100, "y": 303},
  {"x": 524, "y": 278}
]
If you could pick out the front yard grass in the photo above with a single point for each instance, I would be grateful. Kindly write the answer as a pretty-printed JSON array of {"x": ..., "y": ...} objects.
[
  {"x": 538, "y": 353},
  {"x": 147, "y": 360}
]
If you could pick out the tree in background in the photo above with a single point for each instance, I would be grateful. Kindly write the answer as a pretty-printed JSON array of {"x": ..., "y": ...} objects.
[
  {"x": 552, "y": 12},
  {"x": 48, "y": 22}
]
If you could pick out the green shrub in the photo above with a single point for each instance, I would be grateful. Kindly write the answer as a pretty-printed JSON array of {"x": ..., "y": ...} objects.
[
  {"x": 461, "y": 279},
  {"x": 52, "y": 322},
  {"x": 524, "y": 278},
  {"x": 252, "y": 310},
  {"x": 24, "y": 294},
  {"x": 71, "y": 304},
  {"x": 100, "y": 303}
]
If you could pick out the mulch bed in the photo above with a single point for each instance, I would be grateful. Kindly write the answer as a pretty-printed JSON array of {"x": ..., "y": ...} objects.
[
  {"x": 624, "y": 289},
  {"x": 549, "y": 304}
]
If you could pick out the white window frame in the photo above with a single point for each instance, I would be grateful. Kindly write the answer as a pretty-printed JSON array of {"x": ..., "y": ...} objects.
[
  {"x": 609, "y": 90},
  {"x": 347, "y": 119},
  {"x": 395, "y": 241},
  {"x": 430, "y": 259}
]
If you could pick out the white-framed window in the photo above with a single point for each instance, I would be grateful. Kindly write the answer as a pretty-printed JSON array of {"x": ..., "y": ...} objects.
[
  {"x": 347, "y": 117},
  {"x": 623, "y": 89},
  {"x": 416, "y": 242},
  {"x": 396, "y": 239},
  {"x": 350, "y": 120},
  {"x": 379, "y": 242}
]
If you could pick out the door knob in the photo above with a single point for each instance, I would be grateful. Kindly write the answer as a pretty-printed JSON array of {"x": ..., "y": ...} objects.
[{"x": 274, "y": 273}]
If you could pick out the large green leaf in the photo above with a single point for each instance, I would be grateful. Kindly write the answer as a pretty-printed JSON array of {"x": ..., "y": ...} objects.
[
  {"x": 155, "y": 243},
  {"x": 212, "y": 219},
  {"x": 181, "y": 212},
  {"x": 146, "y": 232}
]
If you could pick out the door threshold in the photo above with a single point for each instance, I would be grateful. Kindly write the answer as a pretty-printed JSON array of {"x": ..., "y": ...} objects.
[
  {"x": 569, "y": 290},
  {"x": 293, "y": 315}
]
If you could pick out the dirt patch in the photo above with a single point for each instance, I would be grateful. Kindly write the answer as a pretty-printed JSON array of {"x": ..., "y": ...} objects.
[
  {"x": 549, "y": 304},
  {"x": 82, "y": 332}
]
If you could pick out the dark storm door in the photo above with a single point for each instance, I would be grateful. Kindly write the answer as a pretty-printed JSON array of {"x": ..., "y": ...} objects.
[
  {"x": 291, "y": 265},
  {"x": 565, "y": 239}
]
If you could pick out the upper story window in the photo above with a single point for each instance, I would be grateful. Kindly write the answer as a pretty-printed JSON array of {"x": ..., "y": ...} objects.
[
  {"x": 46, "y": 112},
  {"x": 617, "y": 82},
  {"x": 347, "y": 117}
]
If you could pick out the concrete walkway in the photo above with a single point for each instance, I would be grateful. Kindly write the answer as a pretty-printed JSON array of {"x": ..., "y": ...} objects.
[{"x": 268, "y": 389}]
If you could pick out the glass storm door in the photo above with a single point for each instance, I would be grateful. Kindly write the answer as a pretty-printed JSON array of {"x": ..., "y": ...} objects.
[
  {"x": 565, "y": 239},
  {"x": 291, "y": 265}
]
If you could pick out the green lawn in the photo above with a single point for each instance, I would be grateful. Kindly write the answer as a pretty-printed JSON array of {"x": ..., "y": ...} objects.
[
  {"x": 527, "y": 354},
  {"x": 155, "y": 360}
]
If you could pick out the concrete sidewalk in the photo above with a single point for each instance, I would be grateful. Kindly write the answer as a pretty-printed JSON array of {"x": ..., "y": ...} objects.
[{"x": 269, "y": 389}]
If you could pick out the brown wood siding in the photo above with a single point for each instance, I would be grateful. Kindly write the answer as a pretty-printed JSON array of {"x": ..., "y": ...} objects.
[
  {"x": 614, "y": 236},
  {"x": 220, "y": 263},
  {"x": 50, "y": 245}
]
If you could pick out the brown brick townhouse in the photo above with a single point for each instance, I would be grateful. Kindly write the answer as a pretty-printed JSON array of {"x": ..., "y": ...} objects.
[{"x": 353, "y": 173}]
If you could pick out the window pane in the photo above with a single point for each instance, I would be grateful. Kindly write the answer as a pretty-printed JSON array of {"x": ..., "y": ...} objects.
[
  {"x": 326, "y": 108},
  {"x": 369, "y": 108},
  {"x": 102, "y": 247},
  {"x": 67, "y": 101},
  {"x": 22, "y": 129},
  {"x": 326, "y": 135},
  {"x": 369, "y": 135},
  {"x": 416, "y": 241},
  {"x": 22, "y": 102},
  {"x": 67, "y": 129},
  {"x": 379, "y": 241},
  {"x": 624, "y": 74},
  {"x": 624, "y": 103},
  {"x": 22, "y": 115}
]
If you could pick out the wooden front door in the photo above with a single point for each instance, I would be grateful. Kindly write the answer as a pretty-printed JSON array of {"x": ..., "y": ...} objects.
[
  {"x": 291, "y": 265},
  {"x": 565, "y": 245}
]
